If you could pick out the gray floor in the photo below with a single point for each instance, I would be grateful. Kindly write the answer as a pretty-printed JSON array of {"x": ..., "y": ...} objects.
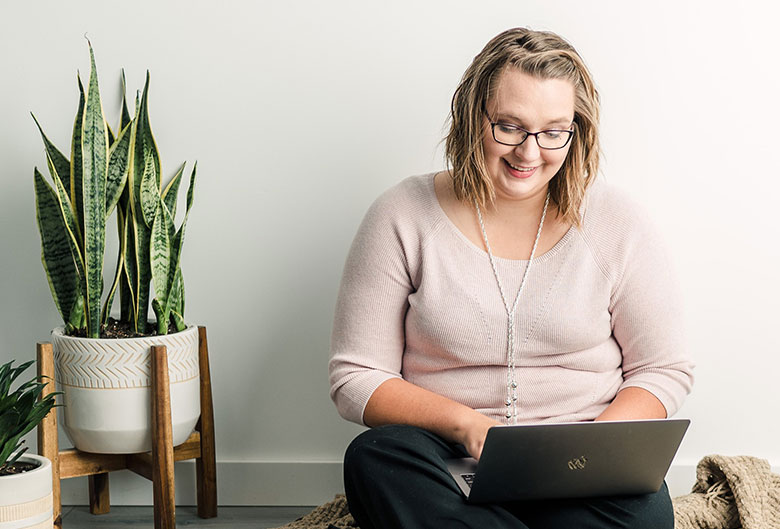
[{"x": 143, "y": 517}]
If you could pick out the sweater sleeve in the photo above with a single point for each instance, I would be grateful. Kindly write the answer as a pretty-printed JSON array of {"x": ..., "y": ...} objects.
[
  {"x": 647, "y": 313},
  {"x": 367, "y": 342}
]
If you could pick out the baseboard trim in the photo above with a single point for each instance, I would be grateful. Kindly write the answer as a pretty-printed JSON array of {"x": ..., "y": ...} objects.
[
  {"x": 289, "y": 483},
  {"x": 238, "y": 483}
]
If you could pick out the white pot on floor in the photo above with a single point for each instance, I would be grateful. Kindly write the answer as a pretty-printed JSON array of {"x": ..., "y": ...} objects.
[
  {"x": 106, "y": 387},
  {"x": 26, "y": 499}
]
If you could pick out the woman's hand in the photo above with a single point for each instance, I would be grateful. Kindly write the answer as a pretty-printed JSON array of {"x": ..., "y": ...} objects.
[{"x": 474, "y": 431}]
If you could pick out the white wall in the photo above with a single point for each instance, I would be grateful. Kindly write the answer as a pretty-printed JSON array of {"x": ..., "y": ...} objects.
[{"x": 301, "y": 113}]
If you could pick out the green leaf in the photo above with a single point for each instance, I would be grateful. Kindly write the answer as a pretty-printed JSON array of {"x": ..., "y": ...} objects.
[
  {"x": 160, "y": 252},
  {"x": 60, "y": 162},
  {"x": 143, "y": 145},
  {"x": 118, "y": 160},
  {"x": 171, "y": 191},
  {"x": 129, "y": 274},
  {"x": 76, "y": 168},
  {"x": 124, "y": 119},
  {"x": 56, "y": 244},
  {"x": 145, "y": 130},
  {"x": 178, "y": 243},
  {"x": 77, "y": 317},
  {"x": 150, "y": 192},
  {"x": 162, "y": 318},
  {"x": 20, "y": 411},
  {"x": 110, "y": 135},
  {"x": 177, "y": 299},
  {"x": 94, "y": 143},
  {"x": 143, "y": 236},
  {"x": 65, "y": 204}
]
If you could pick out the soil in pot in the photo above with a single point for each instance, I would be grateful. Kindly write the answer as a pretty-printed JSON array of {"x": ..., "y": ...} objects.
[
  {"x": 115, "y": 329},
  {"x": 18, "y": 468}
]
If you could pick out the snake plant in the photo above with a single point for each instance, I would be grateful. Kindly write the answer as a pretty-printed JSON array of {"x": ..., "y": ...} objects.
[
  {"x": 20, "y": 411},
  {"x": 107, "y": 172}
]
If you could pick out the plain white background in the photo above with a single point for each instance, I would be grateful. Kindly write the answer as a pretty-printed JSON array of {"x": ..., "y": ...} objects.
[{"x": 300, "y": 113}]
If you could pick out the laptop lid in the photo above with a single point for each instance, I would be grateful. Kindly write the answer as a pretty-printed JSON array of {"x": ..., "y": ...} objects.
[{"x": 571, "y": 460}]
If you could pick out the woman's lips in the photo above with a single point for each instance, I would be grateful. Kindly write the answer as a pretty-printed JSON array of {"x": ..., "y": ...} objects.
[{"x": 519, "y": 173}]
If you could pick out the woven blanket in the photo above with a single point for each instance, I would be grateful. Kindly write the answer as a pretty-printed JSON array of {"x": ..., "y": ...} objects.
[{"x": 729, "y": 493}]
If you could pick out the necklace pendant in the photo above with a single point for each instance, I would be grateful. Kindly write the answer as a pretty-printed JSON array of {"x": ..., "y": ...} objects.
[
  {"x": 508, "y": 415},
  {"x": 508, "y": 402}
]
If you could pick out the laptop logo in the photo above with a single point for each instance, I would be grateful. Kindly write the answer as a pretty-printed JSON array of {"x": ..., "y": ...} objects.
[{"x": 578, "y": 463}]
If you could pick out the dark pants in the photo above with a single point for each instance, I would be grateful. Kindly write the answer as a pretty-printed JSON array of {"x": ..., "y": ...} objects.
[{"x": 395, "y": 477}]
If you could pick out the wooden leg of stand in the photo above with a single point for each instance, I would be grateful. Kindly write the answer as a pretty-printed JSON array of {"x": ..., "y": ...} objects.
[
  {"x": 48, "y": 442},
  {"x": 162, "y": 442},
  {"x": 99, "y": 496},
  {"x": 206, "y": 464}
]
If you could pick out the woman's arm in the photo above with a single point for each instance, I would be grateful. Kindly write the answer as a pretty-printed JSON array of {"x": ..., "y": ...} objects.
[
  {"x": 397, "y": 401},
  {"x": 633, "y": 403}
]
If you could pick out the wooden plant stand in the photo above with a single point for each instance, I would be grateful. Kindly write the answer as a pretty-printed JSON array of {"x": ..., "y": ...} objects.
[{"x": 157, "y": 465}]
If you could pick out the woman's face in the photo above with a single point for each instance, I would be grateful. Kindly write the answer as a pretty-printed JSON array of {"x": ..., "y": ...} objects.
[{"x": 523, "y": 172}]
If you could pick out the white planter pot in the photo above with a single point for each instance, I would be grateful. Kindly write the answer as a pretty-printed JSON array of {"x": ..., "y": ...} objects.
[
  {"x": 106, "y": 387},
  {"x": 26, "y": 499}
]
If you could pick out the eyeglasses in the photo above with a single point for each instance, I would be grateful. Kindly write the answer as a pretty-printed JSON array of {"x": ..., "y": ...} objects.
[{"x": 512, "y": 135}]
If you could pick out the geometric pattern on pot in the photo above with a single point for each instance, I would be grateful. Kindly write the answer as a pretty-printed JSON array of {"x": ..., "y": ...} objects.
[{"x": 123, "y": 363}]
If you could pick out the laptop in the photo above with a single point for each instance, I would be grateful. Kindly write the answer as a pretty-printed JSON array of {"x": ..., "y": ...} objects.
[{"x": 570, "y": 460}]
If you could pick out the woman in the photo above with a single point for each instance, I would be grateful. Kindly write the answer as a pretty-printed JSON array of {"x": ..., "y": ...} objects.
[{"x": 512, "y": 288}]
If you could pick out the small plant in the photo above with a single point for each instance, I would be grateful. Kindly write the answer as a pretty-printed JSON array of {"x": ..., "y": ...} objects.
[
  {"x": 20, "y": 411},
  {"x": 107, "y": 172}
]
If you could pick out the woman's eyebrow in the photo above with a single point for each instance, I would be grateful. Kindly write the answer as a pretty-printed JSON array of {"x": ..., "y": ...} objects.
[{"x": 558, "y": 121}]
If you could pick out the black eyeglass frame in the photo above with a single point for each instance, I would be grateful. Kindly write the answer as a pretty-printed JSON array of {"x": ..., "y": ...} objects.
[{"x": 529, "y": 133}]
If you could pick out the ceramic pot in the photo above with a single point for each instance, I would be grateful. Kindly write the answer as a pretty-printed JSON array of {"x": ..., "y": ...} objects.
[
  {"x": 106, "y": 387},
  {"x": 26, "y": 498}
]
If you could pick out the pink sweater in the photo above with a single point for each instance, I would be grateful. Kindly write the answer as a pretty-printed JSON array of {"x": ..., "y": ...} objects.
[{"x": 418, "y": 300}]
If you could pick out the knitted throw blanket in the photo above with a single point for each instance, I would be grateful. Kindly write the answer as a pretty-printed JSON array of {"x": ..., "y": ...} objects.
[{"x": 729, "y": 493}]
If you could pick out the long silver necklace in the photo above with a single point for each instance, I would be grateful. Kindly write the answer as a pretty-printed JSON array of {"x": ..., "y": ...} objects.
[{"x": 511, "y": 380}]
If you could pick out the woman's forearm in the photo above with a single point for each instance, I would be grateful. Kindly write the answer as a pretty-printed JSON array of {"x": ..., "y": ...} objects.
[
  {"x": 397, "y": 401},
  {"x": 633, "y": 403}
]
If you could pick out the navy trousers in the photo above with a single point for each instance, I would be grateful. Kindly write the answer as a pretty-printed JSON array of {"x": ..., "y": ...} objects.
[{"x": 395, "y": 477}]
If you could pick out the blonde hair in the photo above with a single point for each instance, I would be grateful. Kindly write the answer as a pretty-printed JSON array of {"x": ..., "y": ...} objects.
[{"x": 544, "y": 55}]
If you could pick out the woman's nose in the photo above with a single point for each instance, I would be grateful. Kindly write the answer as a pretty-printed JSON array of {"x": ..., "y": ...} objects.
[{"x": 529, "y": 149}]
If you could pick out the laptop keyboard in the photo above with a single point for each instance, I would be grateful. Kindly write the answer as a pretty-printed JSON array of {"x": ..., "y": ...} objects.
[{"x": 468, "y": 478}]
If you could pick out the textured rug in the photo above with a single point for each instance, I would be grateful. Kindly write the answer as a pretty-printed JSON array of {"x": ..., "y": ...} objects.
[{"x": 738, "y": 492}]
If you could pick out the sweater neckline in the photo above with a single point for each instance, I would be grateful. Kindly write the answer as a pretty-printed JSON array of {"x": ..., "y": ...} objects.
[{"x": 549, "y": 254}]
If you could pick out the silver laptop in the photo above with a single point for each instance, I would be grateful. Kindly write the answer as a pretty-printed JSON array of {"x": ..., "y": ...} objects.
[{"x": 570, "y": 460}]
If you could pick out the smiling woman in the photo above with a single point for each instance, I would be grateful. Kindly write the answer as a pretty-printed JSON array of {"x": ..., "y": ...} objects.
[{"x": 511, "y": 288}]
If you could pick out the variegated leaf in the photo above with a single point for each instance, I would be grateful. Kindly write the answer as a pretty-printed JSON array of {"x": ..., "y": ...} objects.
[
  {"x": 94, "y": 145},
  {"x": 130, "y": 270},
  {"x": 67, "y": 213},
  {"x": 150, "y": 192},
  {"x": 177, "y": 294},
  {"x": 56, "y": 254},
  {"x": 78, "y": 316},
  {"x": 124, "y": 118},
  {"x": 171, "y": 191},
  {"x": 143, "y": 236},
  {"x": 60, "y": 162},
  {"x": 76, "y": 164},
  {"x": 160, "y": 251},
  {"x": 144, "y": 131},
  {"x": 118, "y": 159},
  {"x": 110, "y": 135}
]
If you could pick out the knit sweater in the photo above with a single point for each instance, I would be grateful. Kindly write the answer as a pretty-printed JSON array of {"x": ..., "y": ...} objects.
[{"x": 600, "y": 312}]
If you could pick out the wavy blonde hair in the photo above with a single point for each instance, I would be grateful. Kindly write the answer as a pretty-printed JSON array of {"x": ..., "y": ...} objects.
[{"x": 544, "y": 55}]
